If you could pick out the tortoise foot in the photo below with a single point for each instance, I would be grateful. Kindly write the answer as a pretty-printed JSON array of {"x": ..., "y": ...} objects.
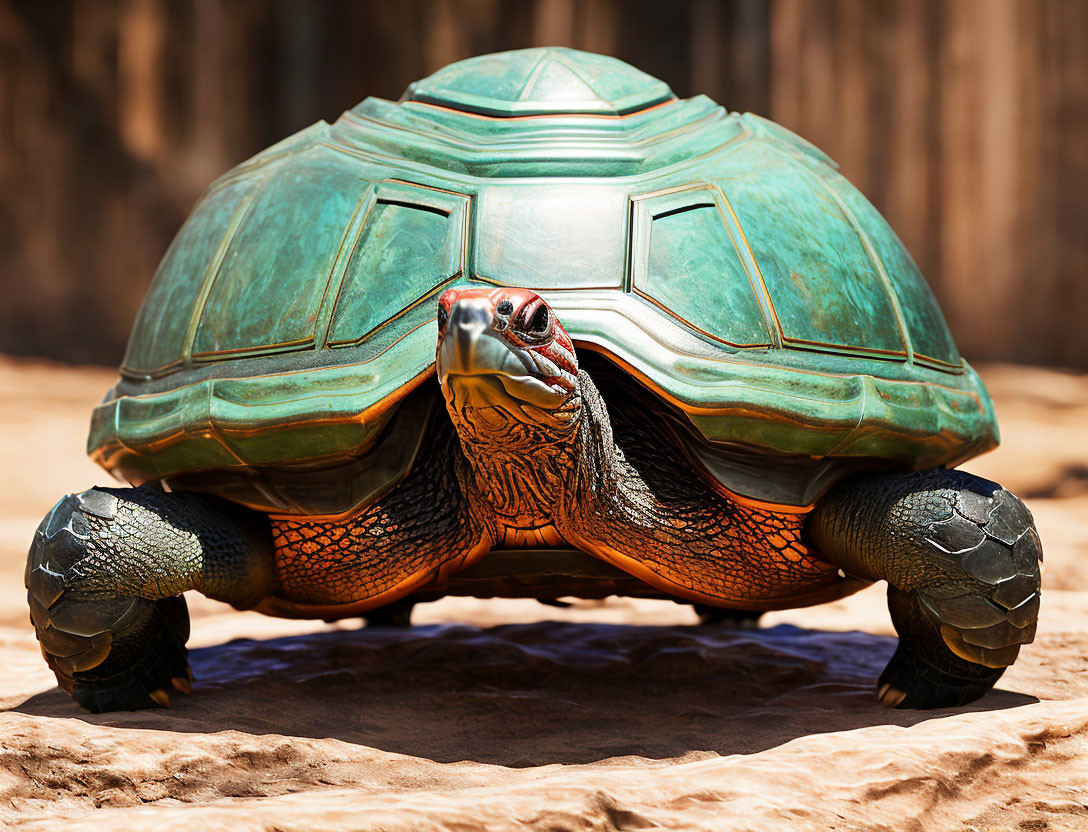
[
  {"x": 111, "y": 651},
  {"x": 962, "y": 559},
  {"x": 959, "y": 633},
  {"x": 144, "y": 667}
]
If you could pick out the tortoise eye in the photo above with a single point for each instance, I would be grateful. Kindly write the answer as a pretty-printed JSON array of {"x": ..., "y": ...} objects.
[
  {"x": 443, "y": 316},
  {"x": 505, "y": 307}
]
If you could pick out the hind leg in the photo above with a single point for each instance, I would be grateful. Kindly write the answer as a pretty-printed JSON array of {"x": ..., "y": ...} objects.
[
  {"x": 104, "y": 579},
  {"x": 961, "y": 556}
]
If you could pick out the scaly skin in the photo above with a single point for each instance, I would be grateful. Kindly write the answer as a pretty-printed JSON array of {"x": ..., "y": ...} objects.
[
  {"x": 541, "y": 458},
  {"x": 674, "y": 531},
  {"x": 422, "y": 528}
]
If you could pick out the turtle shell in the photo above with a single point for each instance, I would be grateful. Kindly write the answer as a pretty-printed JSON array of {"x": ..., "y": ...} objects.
[{"x": 283, "y": 352}]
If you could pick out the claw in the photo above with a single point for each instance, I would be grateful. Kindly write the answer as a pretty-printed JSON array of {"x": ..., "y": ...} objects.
[
  {"x": 160, "y": 697},
  {"x": 183, "y": 684},
  {"x": 890, "y": 697}
]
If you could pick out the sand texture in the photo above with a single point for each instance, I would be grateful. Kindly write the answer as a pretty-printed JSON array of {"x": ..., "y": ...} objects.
[{"x": 509, "y": 714}]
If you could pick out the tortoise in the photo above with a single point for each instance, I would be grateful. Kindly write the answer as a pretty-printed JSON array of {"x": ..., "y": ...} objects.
[{"x": 538, "y": 329}]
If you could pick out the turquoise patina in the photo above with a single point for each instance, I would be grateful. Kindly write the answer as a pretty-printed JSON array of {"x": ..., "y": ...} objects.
[{"x": 715, "y": 256}]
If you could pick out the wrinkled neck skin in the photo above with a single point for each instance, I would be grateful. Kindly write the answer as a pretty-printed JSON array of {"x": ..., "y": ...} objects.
[{"x": 526, "y": 463}]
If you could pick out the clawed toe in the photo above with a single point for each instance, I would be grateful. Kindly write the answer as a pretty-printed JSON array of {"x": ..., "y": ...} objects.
[
  {"x": 160, "y": 698},
  {"x": 890, "y": 697},
  {"x": 184, "y": 683},
  {"x": 143, "y": 668}
]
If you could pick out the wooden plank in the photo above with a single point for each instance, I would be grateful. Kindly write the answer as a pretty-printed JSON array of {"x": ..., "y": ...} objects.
[{"x": 913, "y": 164}]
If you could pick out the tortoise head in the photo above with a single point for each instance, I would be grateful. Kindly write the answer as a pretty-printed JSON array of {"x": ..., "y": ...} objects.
[{"x": 503, "y": 354}]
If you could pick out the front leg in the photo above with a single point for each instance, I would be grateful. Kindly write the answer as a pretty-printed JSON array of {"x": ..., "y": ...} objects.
[
  {"x": 961, "y": 556},
  {"x": 104, "y": 579}
]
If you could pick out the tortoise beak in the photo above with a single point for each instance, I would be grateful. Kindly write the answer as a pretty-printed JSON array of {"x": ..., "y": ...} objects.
[{"x": 470, "y": 345}]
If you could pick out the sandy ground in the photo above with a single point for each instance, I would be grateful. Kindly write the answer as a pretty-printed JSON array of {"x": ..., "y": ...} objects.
[{"x": 510, "y": 714}]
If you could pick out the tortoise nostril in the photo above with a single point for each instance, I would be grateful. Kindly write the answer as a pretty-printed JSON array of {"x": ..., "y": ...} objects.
[{"x": 535, "y": 321}]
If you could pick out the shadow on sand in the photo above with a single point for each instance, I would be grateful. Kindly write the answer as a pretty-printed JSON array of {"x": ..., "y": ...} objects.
[{"x": 537, "y": 693}]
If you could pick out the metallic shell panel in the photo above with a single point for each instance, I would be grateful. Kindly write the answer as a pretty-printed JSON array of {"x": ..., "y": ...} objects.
[
  {"x": 681, "y": 241},
  {"x": 929, "y": 335},
  {"x": 826, "y": 289},
  {"x": 552, "y": 235},
  {"x": 268, "y": 291},
  {"x": 412, "y": 243},
  {"x": 158, "y": 335}
]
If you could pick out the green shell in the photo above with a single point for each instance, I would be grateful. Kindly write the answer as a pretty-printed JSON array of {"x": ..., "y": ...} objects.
[{"x": 716, "y": 256}]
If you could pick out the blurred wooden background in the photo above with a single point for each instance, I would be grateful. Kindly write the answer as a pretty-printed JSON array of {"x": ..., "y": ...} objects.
[{"x": 964, "y": 121}]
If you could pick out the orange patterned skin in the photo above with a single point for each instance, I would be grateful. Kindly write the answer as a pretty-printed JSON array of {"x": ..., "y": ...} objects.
[
  {"x": 421, "y": 531},
  {"x": 534, "y": 457}
]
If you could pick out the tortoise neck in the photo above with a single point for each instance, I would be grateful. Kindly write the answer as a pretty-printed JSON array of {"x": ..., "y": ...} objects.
[{"x": 520, "y": 468}]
